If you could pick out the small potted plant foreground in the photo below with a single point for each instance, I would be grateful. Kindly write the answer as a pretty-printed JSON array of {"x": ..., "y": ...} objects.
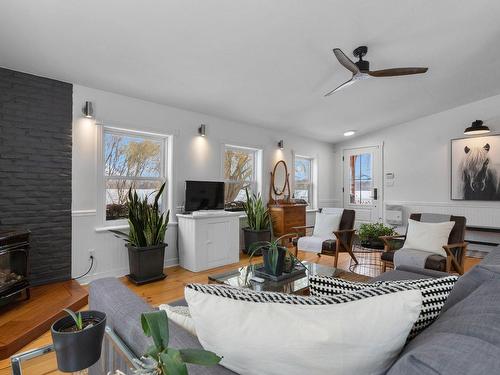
[
  {"x": 145, "y": 240},
  {"x": 162, "y": 360},
  {"x": 77, "y": 339},
  {"x": 258, "y": 221},
  {"x": 369, "y": 235}
]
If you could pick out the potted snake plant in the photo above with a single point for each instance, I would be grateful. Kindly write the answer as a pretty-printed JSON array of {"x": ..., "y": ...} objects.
[
  {"x": 258, "y": 220},
  {"x": 145, "y": 239}
]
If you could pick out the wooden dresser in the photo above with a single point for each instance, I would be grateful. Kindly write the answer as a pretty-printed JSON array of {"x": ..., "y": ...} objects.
[{"x": 285, "y": 216}]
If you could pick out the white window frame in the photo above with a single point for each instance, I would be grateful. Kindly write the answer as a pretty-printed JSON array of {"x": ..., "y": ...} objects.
[
  {"x": 311, "y": 184},
  {"x": 165, "y": 170},
  {"x": 256, "y": 181}
]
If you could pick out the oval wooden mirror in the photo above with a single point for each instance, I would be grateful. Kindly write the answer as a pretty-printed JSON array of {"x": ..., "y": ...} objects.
[{"x": 280, "y": 178}]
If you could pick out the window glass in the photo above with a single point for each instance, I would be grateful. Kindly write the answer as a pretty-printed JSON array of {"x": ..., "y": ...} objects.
[
  {"x": 132, "y": 161},
  {"x": 361, "y": 179},
  {"x": 239, "y": 172}
]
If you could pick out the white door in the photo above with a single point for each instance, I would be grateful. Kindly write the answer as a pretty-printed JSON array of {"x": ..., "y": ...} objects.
[{"x": 362, "y": 188}]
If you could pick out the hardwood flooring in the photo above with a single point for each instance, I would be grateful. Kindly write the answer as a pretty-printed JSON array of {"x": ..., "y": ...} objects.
[{"x": 172, "y": 288}]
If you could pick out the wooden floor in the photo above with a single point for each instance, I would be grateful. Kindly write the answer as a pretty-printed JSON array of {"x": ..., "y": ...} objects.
[{"x": 172, "y": 288}]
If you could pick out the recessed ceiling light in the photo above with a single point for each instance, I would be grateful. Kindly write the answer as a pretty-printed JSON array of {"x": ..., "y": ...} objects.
[{"x": 349, "y": 133}]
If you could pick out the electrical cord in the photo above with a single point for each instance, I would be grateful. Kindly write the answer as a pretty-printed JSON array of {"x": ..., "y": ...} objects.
[{"x": 86, "y": 273}]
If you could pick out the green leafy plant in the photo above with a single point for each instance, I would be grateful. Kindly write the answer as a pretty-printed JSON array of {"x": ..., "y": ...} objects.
[
  {"x": 372, "y": 232},
  {"x": 162, "y": 360},
  {"x": 273, "y": 252},
  {"x": 147, "y": 226},
  {"x": 77, "y": 318},
  {"x": 257, "y": 212}
]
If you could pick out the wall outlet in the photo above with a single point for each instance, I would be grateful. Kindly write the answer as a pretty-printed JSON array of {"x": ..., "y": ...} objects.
[{"x": 92, "y": 253}]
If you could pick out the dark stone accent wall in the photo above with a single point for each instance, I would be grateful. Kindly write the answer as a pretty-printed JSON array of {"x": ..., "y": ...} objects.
[{"x": 35, "y": 168}]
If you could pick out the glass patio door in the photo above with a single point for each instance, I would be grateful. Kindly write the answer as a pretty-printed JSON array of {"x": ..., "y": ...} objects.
[{"x": 362, "y": 188}]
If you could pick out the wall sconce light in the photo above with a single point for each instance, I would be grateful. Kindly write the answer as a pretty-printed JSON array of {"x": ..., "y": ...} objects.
[
  {"x": 88, "y": 110},
  {"x": 477, "y": 127},
  {"x": 281, "y": 145},
  {"x": 202, "y": 130}
]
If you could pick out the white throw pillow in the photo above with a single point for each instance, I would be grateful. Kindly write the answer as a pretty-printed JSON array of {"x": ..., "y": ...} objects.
[
  {"x": 274, "y": 333},
  {"x": 326, "y": 224},
  {"x": 181, "y": 316},
  {"x": 430, "y": 237}
]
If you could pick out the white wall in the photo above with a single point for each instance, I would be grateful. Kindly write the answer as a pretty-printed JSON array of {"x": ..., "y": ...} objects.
[
  {"x": 194, "y": 157},
  {"x": 419, "y": 152}
]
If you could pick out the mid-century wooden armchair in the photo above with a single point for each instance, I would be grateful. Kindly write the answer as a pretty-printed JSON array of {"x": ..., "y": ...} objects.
[
  {"x": 342, "y": 242},
  {"x": 455, "y": 249}
]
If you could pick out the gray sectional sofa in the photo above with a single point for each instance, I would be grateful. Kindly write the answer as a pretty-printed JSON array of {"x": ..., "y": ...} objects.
[{"x": 465, "y": 339}]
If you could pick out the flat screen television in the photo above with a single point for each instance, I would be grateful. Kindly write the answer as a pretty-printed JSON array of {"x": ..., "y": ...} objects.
[{"x": 204, "y": 195}]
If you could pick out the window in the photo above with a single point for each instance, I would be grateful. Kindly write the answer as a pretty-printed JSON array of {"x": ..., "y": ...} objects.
[
  {"x": 130, "y": 160},
  {"x": 241, "y": 171},
  {"x": 361, "y": 181},
  {"x": 303, "y": 179}
]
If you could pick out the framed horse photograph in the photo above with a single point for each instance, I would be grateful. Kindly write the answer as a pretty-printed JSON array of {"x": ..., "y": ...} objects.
[{"x": 475, "y": 168}]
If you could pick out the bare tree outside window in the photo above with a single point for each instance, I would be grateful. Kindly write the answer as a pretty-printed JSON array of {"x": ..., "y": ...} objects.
[
  {"x": 130, "y": 161},
  {"x": 239, "y": 172}
]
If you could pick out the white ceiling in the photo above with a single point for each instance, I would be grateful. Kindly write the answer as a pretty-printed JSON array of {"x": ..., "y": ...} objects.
[{"x": 264, "y": 62}]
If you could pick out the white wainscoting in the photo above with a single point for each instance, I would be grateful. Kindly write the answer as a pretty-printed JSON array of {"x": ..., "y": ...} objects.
[
  {"x": 481, "y": 214},
  {"x": 110, "y": 254}
]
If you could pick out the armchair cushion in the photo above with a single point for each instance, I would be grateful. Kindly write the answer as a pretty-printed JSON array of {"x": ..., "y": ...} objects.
[
  {"x": 433, "y": 261},
  {"x": 328, "y": 245},
  {"x": 326, "y": 224},
  {"x": 430, "y": 237}
]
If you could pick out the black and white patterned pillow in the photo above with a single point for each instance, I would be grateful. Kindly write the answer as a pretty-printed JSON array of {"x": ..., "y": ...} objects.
[
  {"x": 324, "y": 286},
  {"x": 434, "y": 294},
  {"x": 248, "y": 295}
]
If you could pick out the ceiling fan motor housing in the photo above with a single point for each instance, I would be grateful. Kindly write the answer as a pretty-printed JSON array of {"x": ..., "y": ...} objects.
[
  {"x": 360, "y": 52},
  {"x": 363, "y": 65}
]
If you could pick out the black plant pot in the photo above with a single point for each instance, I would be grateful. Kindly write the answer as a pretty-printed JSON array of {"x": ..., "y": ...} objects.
[
  {"x": 79, "y": 350},
  {"x": 146, "y": 263},
  {"x": 251, "y": 236},
  {"x": 373, "y": 244},
  {"x": 280, "y": 264}
]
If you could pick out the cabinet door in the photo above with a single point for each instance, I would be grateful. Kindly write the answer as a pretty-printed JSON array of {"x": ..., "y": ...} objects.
[{"x": 222, "y": 242}]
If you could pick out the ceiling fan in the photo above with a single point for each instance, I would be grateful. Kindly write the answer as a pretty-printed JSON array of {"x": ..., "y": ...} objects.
[{"x": 361, "y": 68}]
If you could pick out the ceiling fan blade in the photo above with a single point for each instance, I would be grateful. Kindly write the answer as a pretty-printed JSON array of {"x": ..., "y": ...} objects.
[
  {"x": 397, "y": 72},
  {"x": 344, "y": 85},
  {"x": 345, "y": 61}
]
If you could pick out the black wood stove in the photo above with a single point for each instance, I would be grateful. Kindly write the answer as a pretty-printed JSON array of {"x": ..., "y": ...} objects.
[{"x": 14, "y": 265}]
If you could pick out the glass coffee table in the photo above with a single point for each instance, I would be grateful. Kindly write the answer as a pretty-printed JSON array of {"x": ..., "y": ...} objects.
[
  {"x": 299, "y": 284},
  {"x": 115, "y": 355}
]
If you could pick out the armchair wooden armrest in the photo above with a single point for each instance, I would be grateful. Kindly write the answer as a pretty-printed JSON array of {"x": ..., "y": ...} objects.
[
  {"x": 451, "y": 258},
  {"x": 387, "y": 240},
  {"x": 455, "y": 245}
]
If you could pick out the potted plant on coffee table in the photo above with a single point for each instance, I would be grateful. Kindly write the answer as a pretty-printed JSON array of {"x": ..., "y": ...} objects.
[
  {"x": 145, "y": 239},
  {"x": 258, "y": 221},
  {"x": 369, "y": 235},
  {"x": 274, "y": 256},
  {"x": 77, "y": 339}
]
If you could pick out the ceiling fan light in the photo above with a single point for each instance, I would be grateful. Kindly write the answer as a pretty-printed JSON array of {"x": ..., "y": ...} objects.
[
  {"x": 349, "y": 133},
  {"x": 477, "y": 128}
]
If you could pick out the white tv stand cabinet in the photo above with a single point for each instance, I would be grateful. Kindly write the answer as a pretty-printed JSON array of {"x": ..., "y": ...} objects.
[{"x": 208, "y": 239}]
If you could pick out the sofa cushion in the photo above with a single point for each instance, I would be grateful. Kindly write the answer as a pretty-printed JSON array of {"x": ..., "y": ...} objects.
[
  {"x": 464, "y": 340},
  {"x": 328, "y": 245},
  {"x": 275, "y": 334},
  {"x": 488, "y": 269}
]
